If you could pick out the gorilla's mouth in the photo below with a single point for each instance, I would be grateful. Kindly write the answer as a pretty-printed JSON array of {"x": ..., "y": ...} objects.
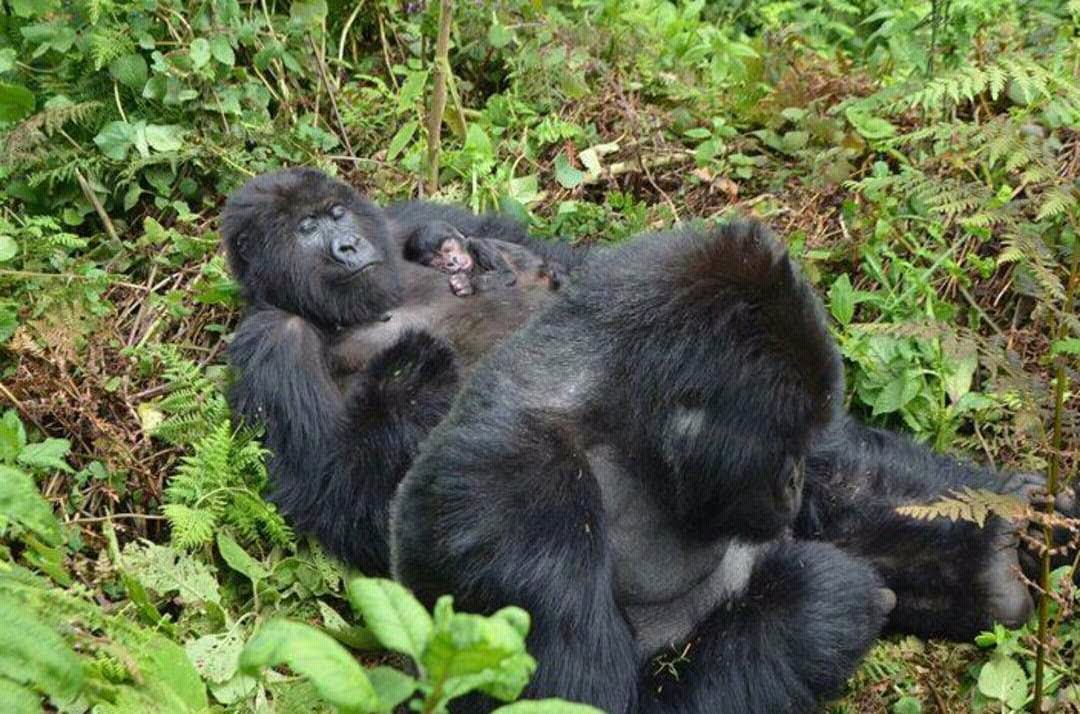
[{"x": 348, "y": 273}]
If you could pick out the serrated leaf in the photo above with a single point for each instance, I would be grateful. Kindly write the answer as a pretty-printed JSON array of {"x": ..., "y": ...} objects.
[
  {"x": 239, "y": 560},
  {"x": 199, "y": 52},
  {"x": 566, "y": 174},
  {"x": 47, "y": 455},
  {"x": 163, "y": 570},
  {"x": 1003, "y": 679},
  {"x": 222, "y": 50},
  {"x": 392, "y": 614},
  {"x": 471, "y": 652},
  {"x": 307, "y": 651}
]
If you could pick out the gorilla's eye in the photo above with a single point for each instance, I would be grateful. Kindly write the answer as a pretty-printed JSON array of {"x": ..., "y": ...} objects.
[
  {"x": 337, "y": 210},
  {"x": 307, "y": 224}
]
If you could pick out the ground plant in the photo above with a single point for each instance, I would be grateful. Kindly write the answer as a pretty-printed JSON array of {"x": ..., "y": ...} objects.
[{"x": 921, "y": 158}]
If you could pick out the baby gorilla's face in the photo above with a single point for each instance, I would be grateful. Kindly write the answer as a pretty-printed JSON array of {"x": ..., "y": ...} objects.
[{"x": 452, "y": 257}]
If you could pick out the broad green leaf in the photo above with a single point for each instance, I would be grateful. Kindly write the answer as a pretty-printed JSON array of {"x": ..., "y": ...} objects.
[
  {"x": 907, "y": 705},
  {"x": 164, "y": 138},
  {"x": 795, "y": 140},
  {"x": 314, "y": 654},
  {"x": 391, "y": 686},
  {"x": 895, "y": 395},
  {"x": 130, "y": 70},
  {"x": 18, "y": 698},
  {"x": 164, "y": 571},
  {"x": 239, "y": 560},
  {"x": 471, "y": 652},
  {"x": 7, "y": 59},
  {"x": 1003, "y": 679},
  {"x": 222, "y": 50},
  {"x": 401, "y": 139},
  {"x": 962, "y": 361},
  {"x": 307, "y": 14},
  {"x": 16, "y": 101},
  {"x": 354, "y": 636},
  {"x": 216, "y": 657},
  {"x": 547, "y": 706},
  {"x": 392, "y": 614},
  {"x": 1070, "y": 346},
  {"x": 34, "y": 654},
  {"x": 114, "y": 139},
  {"x": 8, "y": 248},
  {"x": 47, "y": 455},
  {"x": 199, "y": 52},
  {"x": 870, "y": 127},
  {"x": 12, "y": 436},
  {"x": 566, "y": 174},
  {"x": 499, "y": 36},
  {"x": 590, "y": 159},
  {"x": 21, "y": 502},
  {"x": 842, "y": 300}
]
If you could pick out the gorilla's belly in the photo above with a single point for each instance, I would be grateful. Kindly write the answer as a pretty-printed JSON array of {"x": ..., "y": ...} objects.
[
  {"x": 472, "y": 325},
  {"x": 666, "y": 584}
]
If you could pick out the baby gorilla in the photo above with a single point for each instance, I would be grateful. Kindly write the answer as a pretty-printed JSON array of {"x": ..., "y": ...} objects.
[{"x": 473, "y": 264}]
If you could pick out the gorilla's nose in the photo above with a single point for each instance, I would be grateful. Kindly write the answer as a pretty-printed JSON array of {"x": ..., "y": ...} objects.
[{"x": 354, "y": 254}]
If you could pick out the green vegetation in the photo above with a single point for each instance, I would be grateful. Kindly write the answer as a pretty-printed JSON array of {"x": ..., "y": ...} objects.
[{"x": 921, "y": 158}]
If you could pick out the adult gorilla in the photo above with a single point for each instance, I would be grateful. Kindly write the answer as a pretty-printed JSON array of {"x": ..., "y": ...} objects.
[
  {"x": 349, "y": 354},
  {"x": 629, "y": 467}
]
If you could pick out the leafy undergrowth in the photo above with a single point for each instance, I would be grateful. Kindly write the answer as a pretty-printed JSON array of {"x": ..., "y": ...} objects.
[{"x": 921, "y": 159}]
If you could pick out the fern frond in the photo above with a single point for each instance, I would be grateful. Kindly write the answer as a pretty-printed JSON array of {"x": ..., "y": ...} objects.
[{"x": 968, "y": 504}]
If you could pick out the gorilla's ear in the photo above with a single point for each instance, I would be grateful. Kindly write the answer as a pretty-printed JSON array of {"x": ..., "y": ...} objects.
[{"x": 238, "y": 253}]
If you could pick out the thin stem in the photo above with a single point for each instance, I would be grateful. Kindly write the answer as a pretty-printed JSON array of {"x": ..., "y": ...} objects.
[
  {"x": 1059, "y": 330},
  {"x": 438, "y": 94}
]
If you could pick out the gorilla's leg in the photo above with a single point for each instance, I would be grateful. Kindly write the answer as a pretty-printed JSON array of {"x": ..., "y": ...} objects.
[
  {"x": 952, "y": 579},
  {"x": 806, "y": 618}
]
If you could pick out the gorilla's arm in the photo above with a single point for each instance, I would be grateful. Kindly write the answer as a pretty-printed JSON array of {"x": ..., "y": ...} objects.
[
  {"x": 520, "y": 522},
  {"x": 336, "y": 459},
  {"x": 406, "y": 217},
  {"x": 952, "y": 579}
]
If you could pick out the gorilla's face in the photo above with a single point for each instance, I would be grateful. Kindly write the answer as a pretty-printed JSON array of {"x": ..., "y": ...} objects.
[{"x": 307, "y": 244}]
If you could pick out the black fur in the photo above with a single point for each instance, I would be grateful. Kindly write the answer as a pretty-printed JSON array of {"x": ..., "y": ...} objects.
[
  {"x": 626, "y": 469},
  {"x": 347, "y": 354},
  {"x": 951, "y": 579}
]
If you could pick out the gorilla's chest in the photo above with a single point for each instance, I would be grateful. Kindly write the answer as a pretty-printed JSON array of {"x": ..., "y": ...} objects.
[
  {"x": 665, "y": 582},
  {"x": 472, "y": 325}
]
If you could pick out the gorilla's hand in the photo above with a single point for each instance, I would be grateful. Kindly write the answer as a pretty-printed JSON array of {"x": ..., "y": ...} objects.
[
  {"x": 416, "y": 363},
  {"x": 1031, "y": 488}
]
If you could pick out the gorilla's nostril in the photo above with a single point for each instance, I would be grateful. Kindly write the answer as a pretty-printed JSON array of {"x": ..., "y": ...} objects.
[{"x": 347, "y": 248}]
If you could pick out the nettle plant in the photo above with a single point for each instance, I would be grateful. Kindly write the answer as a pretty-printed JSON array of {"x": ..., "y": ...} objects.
[{"x": 451, "y": 653}]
